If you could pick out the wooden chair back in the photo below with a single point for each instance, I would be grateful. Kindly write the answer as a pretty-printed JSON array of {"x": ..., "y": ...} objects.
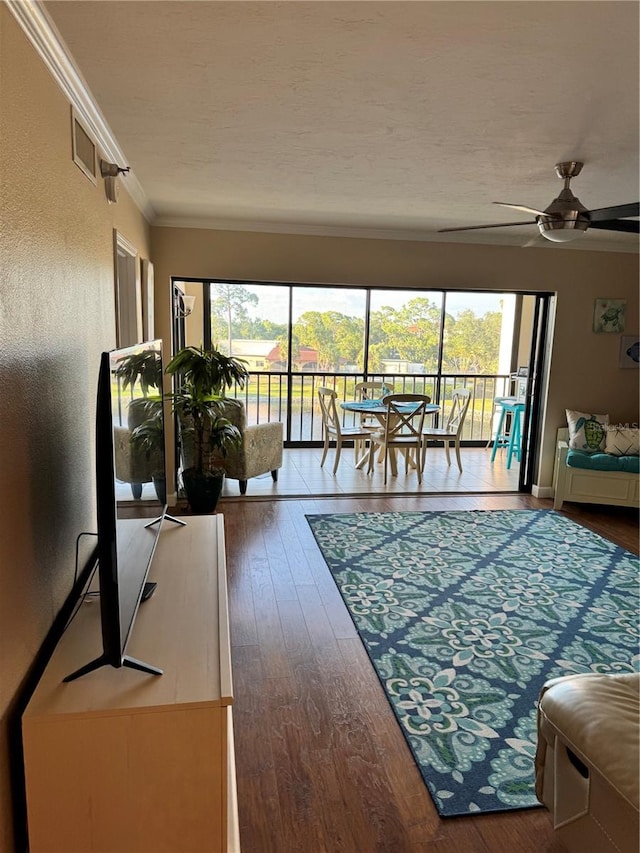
[
  {"x": 372, "y": 390},
  {"x": 330, "y": 417},
  {"x": 405, "y": 416},
  {"x": 460, "y": 400}
]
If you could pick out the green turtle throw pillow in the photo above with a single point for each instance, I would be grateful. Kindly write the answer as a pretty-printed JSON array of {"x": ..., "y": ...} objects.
[{"x": 587, "y": 432}]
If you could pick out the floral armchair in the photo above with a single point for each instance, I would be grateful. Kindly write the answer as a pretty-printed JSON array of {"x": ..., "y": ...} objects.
[
  {"x": 132, "y": 465},
  {"x": 260, "y": 450}
]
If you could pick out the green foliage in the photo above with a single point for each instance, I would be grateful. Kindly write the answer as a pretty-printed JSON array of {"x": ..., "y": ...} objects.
[
  {"x": 472, "y": 344},
  {"x": 408, "y": 333},
  {"x": 148, "y": 436},
  {"x": 283, "y": 344},
  {"x": 259, "y": 330},
  {"x": 204, "y": 377},
  {"x": 140, "y": 367},
  {"x": 228, "y": 305},
  {"x": 203, "y": 422},
  {"x": 333, "y": 335},
  {"x": 207, "y": 372}
]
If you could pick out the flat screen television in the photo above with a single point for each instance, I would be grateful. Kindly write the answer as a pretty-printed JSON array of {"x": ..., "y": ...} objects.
[{"x": 130, "y": 462}]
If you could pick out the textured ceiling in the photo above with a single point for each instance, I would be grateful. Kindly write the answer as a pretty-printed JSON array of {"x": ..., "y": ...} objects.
[{"x": 391, "y": 118}]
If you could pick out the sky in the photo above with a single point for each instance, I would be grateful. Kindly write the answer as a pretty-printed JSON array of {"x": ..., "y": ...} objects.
[{"x": 349, "y": 301}]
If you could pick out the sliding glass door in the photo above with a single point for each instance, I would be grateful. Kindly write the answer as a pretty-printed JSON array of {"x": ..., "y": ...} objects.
[
  {"x": 295, "y": 338},
  {"x": 542, "y": 310}
]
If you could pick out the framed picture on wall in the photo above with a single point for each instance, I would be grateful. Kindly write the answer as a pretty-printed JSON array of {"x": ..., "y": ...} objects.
[
  {"x": 629, "y": 351},
  {"x": 609, "y": 314},
  {"x": 147, "y": 300}
]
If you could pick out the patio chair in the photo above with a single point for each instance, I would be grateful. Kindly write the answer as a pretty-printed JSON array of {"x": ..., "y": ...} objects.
[
  {"x": 333, "y": 429},
  {"x": 451, "y": 432},
  {"x": 370, "y": 390},
  {"x": 404, "y": 421}
]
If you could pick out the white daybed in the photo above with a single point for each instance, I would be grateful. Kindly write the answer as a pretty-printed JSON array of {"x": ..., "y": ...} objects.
[{"x": 617, "y": 488}]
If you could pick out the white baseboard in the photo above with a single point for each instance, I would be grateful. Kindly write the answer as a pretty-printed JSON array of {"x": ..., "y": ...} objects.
[{"x": 542, "y": 491}]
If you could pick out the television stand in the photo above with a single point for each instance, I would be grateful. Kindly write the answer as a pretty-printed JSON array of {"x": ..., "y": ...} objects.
[
  {"x": 134, "y": 663},
  {"x": 103, "y": 661},
  {"x": 168, "y": 518},
  {"x": 147, "y": 590},
  {"x": 119, "y": 762}
]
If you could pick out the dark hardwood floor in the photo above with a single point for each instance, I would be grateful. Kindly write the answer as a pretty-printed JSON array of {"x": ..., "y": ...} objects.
[{"x": 322, "y": 766}]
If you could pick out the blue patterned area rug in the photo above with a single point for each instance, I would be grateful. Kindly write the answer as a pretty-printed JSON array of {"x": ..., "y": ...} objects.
[{"x": 464, "y": 616}]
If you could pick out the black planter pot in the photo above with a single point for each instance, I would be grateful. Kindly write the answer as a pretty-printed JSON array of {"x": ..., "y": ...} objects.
[
  {"x": 160, "y": 485},
  {"x": 202, "y": 489}
]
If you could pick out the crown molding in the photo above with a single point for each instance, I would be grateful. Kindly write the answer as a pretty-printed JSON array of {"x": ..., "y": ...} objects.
[
  {"x": 355, "y": 232},
  {"x": 42, "y": 33},
  {"x": 50, "y": 47},
  {"x": 303, "y": 229}
]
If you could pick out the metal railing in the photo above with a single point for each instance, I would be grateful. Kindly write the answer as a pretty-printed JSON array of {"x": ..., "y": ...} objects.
[{"x": 293, "y": 399}]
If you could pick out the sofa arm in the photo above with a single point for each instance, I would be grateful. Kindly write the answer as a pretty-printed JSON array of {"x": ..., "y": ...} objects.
[{"x": 587, "y": 757}]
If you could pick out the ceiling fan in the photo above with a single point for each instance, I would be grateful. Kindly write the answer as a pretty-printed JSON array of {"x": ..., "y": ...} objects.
[{"x": 566, "y": 218}]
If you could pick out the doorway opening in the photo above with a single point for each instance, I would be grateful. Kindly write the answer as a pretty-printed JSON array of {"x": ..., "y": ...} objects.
[
  {"x": 128, "y": 293},
  {"x": 295, "y": 338}
]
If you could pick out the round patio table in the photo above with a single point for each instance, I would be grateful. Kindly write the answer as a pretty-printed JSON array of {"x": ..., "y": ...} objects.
[{"x": 379, "y": 409}]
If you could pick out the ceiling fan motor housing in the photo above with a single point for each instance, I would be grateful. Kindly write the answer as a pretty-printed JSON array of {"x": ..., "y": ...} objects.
[
  {"x": 569, "y": 169},
  {"x": 566, "y": 218},
  {"x": 566, "y": 212}
]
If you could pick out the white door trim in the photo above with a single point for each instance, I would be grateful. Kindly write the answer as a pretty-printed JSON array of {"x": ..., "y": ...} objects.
[{"x": 128, "y": 292}]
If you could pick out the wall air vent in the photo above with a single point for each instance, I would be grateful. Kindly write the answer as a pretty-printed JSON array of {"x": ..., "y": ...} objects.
[{"x": 83, "y": 149}]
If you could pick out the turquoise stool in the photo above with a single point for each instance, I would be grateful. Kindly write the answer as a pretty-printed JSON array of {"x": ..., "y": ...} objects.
[{"x": 513, "y": 438}]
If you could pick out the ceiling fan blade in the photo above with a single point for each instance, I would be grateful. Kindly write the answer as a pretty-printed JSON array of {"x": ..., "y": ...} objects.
[
  {"x": 617, "y": 225},
  {"x": 522, "y": 207},
  {"x": 476, "y": 227},
  {"x": 616, "y": 212}
]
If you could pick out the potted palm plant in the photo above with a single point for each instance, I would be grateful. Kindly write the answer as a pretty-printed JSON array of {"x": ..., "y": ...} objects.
[
  {"x": 141, "y": 368},
  {"x": 141, "y": 372},
  {"x": 148, "y": 438},
  {"x": 206, "y": 435},
  {"x": 144, "y": 370}
]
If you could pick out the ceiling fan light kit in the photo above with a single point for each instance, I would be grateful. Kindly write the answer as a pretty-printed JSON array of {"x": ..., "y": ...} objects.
[
  {"x": 566, "y": 219},
  {"x": 563, "y": 230}
]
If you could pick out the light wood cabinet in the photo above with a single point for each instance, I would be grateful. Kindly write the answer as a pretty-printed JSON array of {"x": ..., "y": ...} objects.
[{"x": 122, "y": 761}]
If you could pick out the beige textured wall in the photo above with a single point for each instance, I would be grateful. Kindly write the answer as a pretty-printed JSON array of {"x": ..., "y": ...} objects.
[
  {"x": 584, "y": 371},
  {"x": 56, "y": 315}
]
